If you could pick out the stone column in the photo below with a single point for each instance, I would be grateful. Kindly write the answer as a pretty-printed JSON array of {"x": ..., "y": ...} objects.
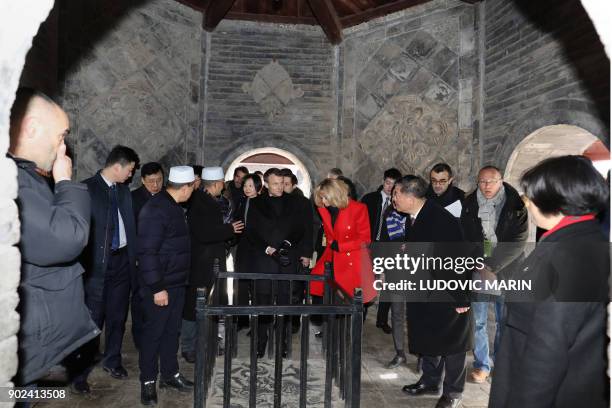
[{"x": 19, "y": 22}]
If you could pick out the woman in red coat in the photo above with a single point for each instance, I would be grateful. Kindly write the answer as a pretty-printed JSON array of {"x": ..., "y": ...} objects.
[{"x": 347, "y": 231}]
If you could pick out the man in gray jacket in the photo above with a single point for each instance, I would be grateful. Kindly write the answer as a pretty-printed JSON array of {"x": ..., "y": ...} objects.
[{"x": 54, "y": 219}]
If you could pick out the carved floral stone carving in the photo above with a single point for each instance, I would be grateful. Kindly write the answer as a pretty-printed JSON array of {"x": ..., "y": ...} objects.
[
  {"x": 415, "y": 134},
  {"x": 272, "y": 89}
]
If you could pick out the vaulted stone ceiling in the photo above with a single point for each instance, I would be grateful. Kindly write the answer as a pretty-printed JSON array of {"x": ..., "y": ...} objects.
[{"x": 331, "y": 15}]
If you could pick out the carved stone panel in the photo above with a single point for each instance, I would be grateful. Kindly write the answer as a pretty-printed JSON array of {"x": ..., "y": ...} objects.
[
  {"x": 415, "y": 133},
  {"x": 272, "y": 89}
]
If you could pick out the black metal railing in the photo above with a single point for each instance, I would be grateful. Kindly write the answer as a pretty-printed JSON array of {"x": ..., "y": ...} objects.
[{"x": 341, "y": 342}]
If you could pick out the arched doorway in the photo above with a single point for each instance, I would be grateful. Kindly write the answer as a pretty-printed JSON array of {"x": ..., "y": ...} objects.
[
  {"x": 551, "y": 141},
  {"x": 264, "y": 158}
]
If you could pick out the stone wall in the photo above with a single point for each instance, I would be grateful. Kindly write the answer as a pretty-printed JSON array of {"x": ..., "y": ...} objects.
[
  {"x": 410, "y": 93},
  {"x": 544, "y": 66},
  {"x": 130, "y": 74},
  {"x": 19, "y": 22},
  {"x": 269, "y": 85}
]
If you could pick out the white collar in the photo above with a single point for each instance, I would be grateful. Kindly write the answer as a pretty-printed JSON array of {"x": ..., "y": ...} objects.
[{"x": 108, "y": 183}]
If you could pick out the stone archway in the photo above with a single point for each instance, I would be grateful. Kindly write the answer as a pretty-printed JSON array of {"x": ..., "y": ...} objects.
[
  {"x": 263, "y": 158},
  {"x": 549, "y": 141}
]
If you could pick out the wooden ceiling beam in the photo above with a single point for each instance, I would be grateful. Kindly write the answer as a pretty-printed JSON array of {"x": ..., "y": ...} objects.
[
  {"x": 199, "y": 5},
  {"x": 326, "y": 15},
  {"x": 350, "y": 4},
  {"x": 388, "y": 8},
  {"x": 214, "y": 13}
]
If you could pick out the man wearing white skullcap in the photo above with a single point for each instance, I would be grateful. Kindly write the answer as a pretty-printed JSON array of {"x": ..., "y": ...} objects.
[
  {"x": 164, "y": 254},
  {"x": 209, "y": 233}
]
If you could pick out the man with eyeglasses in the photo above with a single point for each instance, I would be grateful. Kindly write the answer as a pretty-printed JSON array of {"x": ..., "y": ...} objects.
[
  {"x": 152, "y": 176},
  {"x": 494, "y": 219},
  {"x": 442, "y": 191}
]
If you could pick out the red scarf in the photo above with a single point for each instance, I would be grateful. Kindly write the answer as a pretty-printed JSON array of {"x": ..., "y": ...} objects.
[{"x": 569, "y": 220}]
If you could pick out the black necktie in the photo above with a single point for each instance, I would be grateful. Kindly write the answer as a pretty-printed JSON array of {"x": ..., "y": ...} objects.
[{"x": 115, "y": 217}]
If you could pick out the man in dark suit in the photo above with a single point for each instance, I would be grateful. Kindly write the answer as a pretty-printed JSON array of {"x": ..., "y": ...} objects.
[
  {"x": 441, "y": 189},
  {"x": 438, "y": 331},
  {"x": 281, "y": 237},
  {"x": 233, "y": 187},
  {"x": 109, "y": 261},
  {"x": 209, "y": 234},
  {"x": 378, "y": 202},
  {"x": 152, "y": 176}
]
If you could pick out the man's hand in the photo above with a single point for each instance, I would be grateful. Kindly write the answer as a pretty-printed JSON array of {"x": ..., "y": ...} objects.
[
  {"x": 462, "y": 309},
  {"x": 305, "y": 261},
  {"x": 270, "y": 250},
  {"x": 62, "y": 166},
  {"x": 161, "y": 298},
  {"x": 238, "y": 227}
]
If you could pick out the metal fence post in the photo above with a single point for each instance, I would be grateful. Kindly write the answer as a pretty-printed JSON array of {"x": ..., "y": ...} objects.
[{"x": 200, "y": 389}]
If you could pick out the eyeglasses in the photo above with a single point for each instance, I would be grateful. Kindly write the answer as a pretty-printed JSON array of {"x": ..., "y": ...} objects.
[
  {"x": 486, "y": 182},
  {"x": 439, "y": 182}
]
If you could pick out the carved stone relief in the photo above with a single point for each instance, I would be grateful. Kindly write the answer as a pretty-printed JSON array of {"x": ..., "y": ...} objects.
[
  {"x": 272, "y": 89},
  {"x": 415, "y": 133}
]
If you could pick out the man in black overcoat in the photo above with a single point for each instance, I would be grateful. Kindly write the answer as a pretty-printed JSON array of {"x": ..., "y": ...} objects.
[
  {"x": 209, "y": 234},
  {"x": 441, "y": 332},
  {"x": 152, "y": 176},
  {"x": 281, "y": 237}
]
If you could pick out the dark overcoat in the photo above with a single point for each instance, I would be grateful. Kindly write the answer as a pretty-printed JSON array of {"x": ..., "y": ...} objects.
[
  {"x": 269, "y": 224},
  {"x": 512, "y": 227},
  {"x": 553, "y": 352},
  {"x": 54, "y": 231},
  {"x": 96, "y": 256},
  {"x": 208, "y": 235},
  {"x": 451, "y": 195},
  {"x": 373, "y": 202},
  {"x": 435, "y": 328},
  {"x": 140, "y": 196}
]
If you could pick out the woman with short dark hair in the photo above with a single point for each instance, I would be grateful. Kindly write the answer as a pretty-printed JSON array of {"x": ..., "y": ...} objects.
[
  {"x": 252, "y": 186},
  {"x": 553, "y": 351}
]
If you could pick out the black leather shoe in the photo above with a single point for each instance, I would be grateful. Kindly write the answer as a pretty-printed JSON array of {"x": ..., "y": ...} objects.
[
  {"x": 319, "y": 334},
  {"x": 118, "y": 372},
  {"x": 397, "y": 361},
  {"x": 81, "y": 388},
  {"x": 447, "y": 402},
  {"x": 178, "y": 382},
  {"x": 189, "y": 357},
  {"x": 385, "y": 327},
  {"x": 148, "y": 393},
  {"x": 261, "y": 354},
  {"x": 420, "y": 389}
]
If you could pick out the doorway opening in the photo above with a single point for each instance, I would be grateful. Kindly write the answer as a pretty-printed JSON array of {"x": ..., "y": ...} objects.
[
  {"x": 553, "y": 141},
  {"x": 267, "y": 157}
]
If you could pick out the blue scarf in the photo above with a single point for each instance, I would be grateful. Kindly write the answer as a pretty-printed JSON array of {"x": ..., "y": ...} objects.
[{"x": 395, "y": 225}]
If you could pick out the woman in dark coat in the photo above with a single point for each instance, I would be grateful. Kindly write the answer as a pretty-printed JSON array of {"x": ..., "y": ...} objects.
[
  {"x": 251, "y": 186},
  {"x": 553, "y": 352}
]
